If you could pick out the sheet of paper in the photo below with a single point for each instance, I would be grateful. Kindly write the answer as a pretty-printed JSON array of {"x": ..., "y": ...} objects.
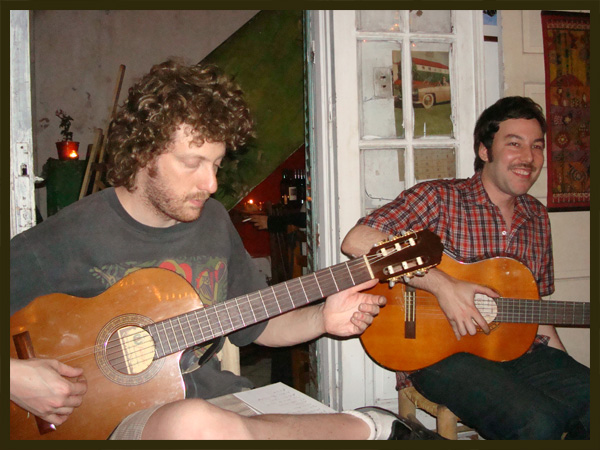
[{"x": 279, "y": 398}]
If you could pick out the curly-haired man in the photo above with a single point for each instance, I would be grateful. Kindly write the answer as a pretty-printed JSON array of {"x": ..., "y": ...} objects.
[{"x": 166, "y": 146}]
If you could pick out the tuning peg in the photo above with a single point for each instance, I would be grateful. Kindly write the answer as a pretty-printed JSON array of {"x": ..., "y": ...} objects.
[
  {"x": 389, "y": 238},
  {"x": 392, "y": 283}
]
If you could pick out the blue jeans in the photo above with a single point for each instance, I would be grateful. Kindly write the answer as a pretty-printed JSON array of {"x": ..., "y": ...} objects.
[{"x": 540, "y": 395}]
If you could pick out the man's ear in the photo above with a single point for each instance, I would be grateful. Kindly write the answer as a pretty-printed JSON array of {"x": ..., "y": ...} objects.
[{"x": 483, "y": 152}]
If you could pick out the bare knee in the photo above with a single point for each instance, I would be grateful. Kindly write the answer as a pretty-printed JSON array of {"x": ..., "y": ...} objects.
[{"x": 194, "y": 419}]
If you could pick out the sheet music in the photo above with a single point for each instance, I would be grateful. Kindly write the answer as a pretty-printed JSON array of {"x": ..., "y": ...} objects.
[{"x": 279, "y": 398}]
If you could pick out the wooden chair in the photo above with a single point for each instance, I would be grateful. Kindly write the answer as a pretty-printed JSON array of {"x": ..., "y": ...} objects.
[{"x": 409, "y": 399}]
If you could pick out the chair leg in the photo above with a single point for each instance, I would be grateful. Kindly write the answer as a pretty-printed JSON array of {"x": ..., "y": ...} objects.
[
  {"x": 446, "y": 423},
  {"x": 406, "y": 407}
]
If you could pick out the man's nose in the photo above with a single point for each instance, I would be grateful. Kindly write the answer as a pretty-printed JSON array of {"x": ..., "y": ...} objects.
[
  {"x": 208, "y": 181},
  {"x": 527, "y": 153}
]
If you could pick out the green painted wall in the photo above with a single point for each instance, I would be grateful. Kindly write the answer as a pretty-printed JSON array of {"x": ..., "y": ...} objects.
[{"x": 266, "y": 58}]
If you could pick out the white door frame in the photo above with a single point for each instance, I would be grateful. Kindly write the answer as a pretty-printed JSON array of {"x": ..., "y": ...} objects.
[
  {"x": 324, "y": 175},
  {"x": 22, "y": 178}
]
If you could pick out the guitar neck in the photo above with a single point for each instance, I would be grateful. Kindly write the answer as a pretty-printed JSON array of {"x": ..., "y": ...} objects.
[
  {"x": 544, "y": 312},
  {"x": 204, "y": 324}
]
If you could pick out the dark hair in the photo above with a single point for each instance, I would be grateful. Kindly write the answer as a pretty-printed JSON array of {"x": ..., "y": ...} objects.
[
  {"x": 171, "y": 95},
  {"x": 489, "y": 122}
]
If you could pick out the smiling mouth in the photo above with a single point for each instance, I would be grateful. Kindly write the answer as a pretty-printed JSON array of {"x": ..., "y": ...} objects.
[{"x": 523, "y": 171}]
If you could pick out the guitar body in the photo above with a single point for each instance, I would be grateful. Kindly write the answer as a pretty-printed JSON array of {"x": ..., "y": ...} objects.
[
  {"x": 391, "y": 342},
  {"x": 67, "y": 328}
]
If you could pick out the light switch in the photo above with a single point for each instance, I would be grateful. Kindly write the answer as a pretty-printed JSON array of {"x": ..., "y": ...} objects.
[{"x": 383, "y": 82}]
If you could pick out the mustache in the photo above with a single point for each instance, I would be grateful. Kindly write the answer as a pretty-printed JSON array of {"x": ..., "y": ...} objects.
[{"x": 523, "y": 166}]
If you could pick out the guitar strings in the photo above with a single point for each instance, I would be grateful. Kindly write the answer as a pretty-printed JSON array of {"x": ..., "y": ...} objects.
[
  {"x": 266, "y": 304},
  {"x": 427, "y": 306},
  {"x": 213, "y": 313},
  {"x": 147, "y": 351},
  {"x": 515, "y": 310}
]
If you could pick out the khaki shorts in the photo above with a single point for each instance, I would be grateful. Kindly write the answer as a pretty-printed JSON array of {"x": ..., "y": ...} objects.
[{"x": 131, "y": 427}]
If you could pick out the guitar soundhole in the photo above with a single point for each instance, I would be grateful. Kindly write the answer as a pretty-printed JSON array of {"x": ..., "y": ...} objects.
[
  {"x": 125, "y": 351},
  {"x": 488, "y": 309}
]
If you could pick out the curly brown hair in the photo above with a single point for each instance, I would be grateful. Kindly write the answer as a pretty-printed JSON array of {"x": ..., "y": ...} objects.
[{"x": 171, "y": 95}]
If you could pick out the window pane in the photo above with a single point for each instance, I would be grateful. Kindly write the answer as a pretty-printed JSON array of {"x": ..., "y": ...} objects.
[
  {"x": 388, "y": 20},
  {"x": 378, "y": 62},
  {"x": 431, "y": 89},
  {"x": 430, "y": 21},
  {"x": 379, "y": 90},
  {"x": 383, "y": 171},
  {"x": 434, "y": 163}
]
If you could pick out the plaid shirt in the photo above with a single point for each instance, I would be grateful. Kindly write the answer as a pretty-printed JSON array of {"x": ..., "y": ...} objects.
[{"x": 472, "y": 228}]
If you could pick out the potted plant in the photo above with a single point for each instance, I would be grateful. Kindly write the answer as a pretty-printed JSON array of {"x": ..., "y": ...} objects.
[{"x": 67, "y": 148}]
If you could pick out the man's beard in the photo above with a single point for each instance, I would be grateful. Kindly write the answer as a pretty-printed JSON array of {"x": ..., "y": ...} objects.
[{"x": 166, "y": 204}]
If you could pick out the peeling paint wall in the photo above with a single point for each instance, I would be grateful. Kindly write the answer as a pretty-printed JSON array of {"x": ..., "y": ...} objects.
[{"x": 76, "y": 57}]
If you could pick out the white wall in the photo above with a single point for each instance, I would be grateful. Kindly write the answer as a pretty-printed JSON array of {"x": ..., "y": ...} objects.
[
  {"x": 524, "y": 75},
  {"x": 76, "y": 57}
]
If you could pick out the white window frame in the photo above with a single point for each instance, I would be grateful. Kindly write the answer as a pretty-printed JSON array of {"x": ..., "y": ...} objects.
[{"x": 464, "y": 100}]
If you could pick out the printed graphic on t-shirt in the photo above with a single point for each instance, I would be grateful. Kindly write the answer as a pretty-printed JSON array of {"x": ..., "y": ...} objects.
[{"x": 204, "y": 274}]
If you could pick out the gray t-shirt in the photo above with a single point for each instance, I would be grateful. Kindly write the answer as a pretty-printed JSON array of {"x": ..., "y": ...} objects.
[{"x": 88, "y": 246}]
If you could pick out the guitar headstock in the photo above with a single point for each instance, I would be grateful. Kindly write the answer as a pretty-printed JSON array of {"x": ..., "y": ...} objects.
[{"x": 412, "y": 253}]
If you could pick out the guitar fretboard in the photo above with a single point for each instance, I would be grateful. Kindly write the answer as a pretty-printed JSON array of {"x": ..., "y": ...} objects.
[
  {"x": 543, "y": 312},
  {"x": 204, "y": 324}
]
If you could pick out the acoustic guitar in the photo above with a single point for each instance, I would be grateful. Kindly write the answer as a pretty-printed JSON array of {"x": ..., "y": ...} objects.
[
  {"x": 412, "y": 332},
  {"x": 130, "y": 338}
]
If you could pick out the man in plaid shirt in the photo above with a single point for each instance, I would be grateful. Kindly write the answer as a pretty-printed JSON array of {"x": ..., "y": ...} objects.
[{"x": 543, "y": 394}]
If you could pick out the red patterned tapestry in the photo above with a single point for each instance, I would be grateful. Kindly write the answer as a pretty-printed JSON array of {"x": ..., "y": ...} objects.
[{"x": 567, "y": 63}]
